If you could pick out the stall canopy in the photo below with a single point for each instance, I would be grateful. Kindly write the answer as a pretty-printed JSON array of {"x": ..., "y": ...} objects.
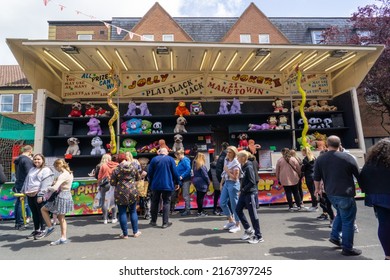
[{"x": 46, "y": 63}]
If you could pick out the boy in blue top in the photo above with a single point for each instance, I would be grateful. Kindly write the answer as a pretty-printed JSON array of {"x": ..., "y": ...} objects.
[{"x": 184, "y": 170}]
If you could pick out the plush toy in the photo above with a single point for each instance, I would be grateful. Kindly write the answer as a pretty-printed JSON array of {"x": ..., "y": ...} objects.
[
  {"x": 73, "y": 148},
  {"x": 223, "y": 107},
  {"x": 243, "y": 143},
  {"x": 254, "y": 127},
  {"x": 97, "y": 145},
  {"x": 181, "y": 109},
  {"x": 90, "y": 110},
  {"x": 296, "y": 105},
  {"x": 323, "y": 104},
  {"x": 102, "y": 112},
  {"x": 162, "y": 144},
  {"x": 236, "y": 107},
  {"x": 279, "y": 106},
  {"x": 310, "y": 139},
  {"x": 180, "y": 125},
  {"x": 177, "y": 143},
  {"x": 134, "y": 126},
  {"x": 146, "y": 127},
  {"x": 314, "y": 123},
  {"x": 253, "y": 147},
  {"x": 76, "y": 110},
  {"x": 320, "y": 141},
  {"x": 124, "y": 127},
  {"x": 128, "y": 146},
  {"x": 144, "y": 109},
  {"x": 283, "y": 122},
  {"x": 196, "y": 108},
  {"x": 131, "y": 109},
  {"x": 94, "y": 127},
  {"x": 313, "y": 106},
  {"x": 273, "y": 122},
  {"x": 151, "y": 148},
  {"x": 157, "y": 128}
]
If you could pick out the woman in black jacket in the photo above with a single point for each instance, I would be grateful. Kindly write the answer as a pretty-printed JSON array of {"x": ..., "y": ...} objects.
[{"x": 308, "y": 172}]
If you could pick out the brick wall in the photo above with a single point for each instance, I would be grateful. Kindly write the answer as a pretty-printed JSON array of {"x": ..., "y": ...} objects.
[{"x": 70, "y": 32}]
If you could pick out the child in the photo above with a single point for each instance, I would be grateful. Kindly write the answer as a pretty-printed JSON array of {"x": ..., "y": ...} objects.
[{"x": 201, "y": 181}]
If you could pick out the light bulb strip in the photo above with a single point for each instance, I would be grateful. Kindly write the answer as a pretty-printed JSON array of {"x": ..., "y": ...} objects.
[
  {"x": 317, "y": 62},
  {"x": 291, "y": 61},
  {"x": 216, "y": 60},
  {"x": 103, "y": 58},
  {"x": 203, "y": 60},
  {"x": 56, "y": 60},
  {"x": 340, "y": 62},
  {"x": 231, "y": 61},
  {"x": 247, "y": 60},
  {"x": 155, "y": 60},
  {"x": 262, "y": 61},
  {"x": 121, "y": 59}
]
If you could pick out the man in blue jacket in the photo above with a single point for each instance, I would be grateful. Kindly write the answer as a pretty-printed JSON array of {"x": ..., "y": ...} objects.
[{"x": 163, "y": 180}]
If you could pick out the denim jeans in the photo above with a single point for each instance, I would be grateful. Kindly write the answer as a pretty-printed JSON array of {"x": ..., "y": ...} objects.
[
  {"x": 186, "y": 194},
  {"x": 18, "y": 212},
  {"x": 344, "y": 220},
  {"x": 133, "y": 217},
  {"x": 383, "y": 215},
  {"x": 229, "y": 194}
]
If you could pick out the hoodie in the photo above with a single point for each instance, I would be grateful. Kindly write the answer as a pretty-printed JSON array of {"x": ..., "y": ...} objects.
[
  {"x": 106, "y": 169},
  {"x": 23, "y": 164},
  {"x": 124, "y": 178}
]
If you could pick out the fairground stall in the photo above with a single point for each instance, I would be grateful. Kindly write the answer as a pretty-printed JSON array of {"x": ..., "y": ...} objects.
[{"x": 116, "y": 96}]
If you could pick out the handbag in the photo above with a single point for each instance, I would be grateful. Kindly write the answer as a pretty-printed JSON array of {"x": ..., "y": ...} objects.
[
  {"x": 53, "y": 196},
  {"x": 104, "y": 183},
  {"x": 142, "y": 187}
]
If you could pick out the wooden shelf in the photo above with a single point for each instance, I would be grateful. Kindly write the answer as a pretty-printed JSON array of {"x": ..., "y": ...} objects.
[{"x": 77, "y": 136}]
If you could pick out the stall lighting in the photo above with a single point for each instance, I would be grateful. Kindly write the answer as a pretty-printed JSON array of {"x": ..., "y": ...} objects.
[
  {"x": 262, "y": 61},
  {"x": 56, "y": 60},
  {"x": 262, "y": 52},
  {"x": 75, "y": 61},
  {"x": 70, "y": 49},
  {"x": 171, "y": 54},
  {"x": 309, "y": 58},
  {"x": 162, "y": 50},
  {"x": 340, "y": 62},
  {"x": 104, "y": 59},
  {"x": 121, "y": 59},
  {"x": 155, "y": 60},
  {"x": 203, "y": 60},
  {"x": 291, "y": 61},
  {"x": 216, "y": 60},
  {"x": 247, "y": 60},
  {"x": 317, "y": 62},
  {"x": 231, "y": 61}
]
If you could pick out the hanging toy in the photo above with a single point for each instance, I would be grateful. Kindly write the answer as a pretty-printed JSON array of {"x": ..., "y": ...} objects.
[
  {"x": 115, "y": 116},
  {"x": 301, "y": 108}
]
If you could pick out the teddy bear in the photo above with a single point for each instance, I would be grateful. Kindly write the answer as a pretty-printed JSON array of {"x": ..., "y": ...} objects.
[
  {"x": 254, "y": 127},
  {"x": 134, "y": 126},
  {"x": 272, "y": 122},
  {"x": 146, "y": 127},
  {"x": 73, "y": 148},
  {"x": 279, "y": 106},
  {"x": 297, "y": 105},
  {"x": 180, "y": 125},
  {"x": 94, "y": 127},
  {"x": 76, "y": 110},
  {"x": 131, "y": 109},
  {"x": 128, "y": 146},
  {"x": 253, "y": 147},
  {"x": 243, "y": 143},
  {"x": 283, "y": 122},
  {"x": 177, "y": 143},
  {"x": 157, "y": 128},
  {"x": 90, "y": 110},
  {"x": 236, "y": 107},
  {"x": 181, "y": 109},
  {"x": 144, "y": 109},
  {"x": 196, "y": 108},
  {"x": 223, "y": 107},
  {"x": 97, "y": 145},
  {"x": 313, "y": 106},
  {"x": 100, "y": 112},
  {"x": 325, "y": 106}
]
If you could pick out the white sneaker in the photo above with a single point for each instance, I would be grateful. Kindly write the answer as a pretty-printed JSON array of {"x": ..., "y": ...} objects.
[
  {"x": 248, "y": 234},
  {"x": 105, "y": 222},
  {"x": 355, "y": 228},
  {"x": 313, "y": 209},
  {"x": 229, "y": 225},
  {"x": 234, "y": 229},
  {"x": 114, "y": 221}
]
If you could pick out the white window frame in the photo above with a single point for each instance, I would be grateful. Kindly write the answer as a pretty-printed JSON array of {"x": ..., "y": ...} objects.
[
  {"x": 21, "y": 102},
  {"x": 245, "y": 38},
  {"x": 168, "y": 37},
  {"x": 264, "y": 38},
  {"x": 148, "y": 37},
  {"x": 84, "y": 36},
  {"x": 2, "y": 103},
  {"x": 316, "y": 36}
]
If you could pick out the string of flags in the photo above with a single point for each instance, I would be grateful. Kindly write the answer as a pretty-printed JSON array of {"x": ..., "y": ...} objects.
[{"x": 119, "y": 30}]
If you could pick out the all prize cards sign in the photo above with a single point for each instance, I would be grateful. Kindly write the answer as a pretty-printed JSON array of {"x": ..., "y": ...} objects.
[{"x": 313, "y": 84}]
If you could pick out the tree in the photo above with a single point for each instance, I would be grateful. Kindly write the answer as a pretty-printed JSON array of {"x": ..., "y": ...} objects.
[{"x": 370, "y": 25}]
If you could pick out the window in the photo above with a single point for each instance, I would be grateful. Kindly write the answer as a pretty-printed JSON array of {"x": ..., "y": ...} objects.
[
  {"x": 7, "y": 103},
  {"x": 168, "y": 37},
  {"x": 25, "y": 102},
  {"x": 245, "y": 38},
  {"x": 84, "y": 37},
  {"x": 316, "y": 36},
  {"x": 264, "y": 39},
  {"x": 372, "y": 98},
  {"x": 364, "y": 36},
  {"x": 148, "y": 37}
]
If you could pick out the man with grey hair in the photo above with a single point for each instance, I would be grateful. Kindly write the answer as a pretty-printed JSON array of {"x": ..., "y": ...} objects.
[
  {"x": 337, "y": 169},
  {"x": 163, "y": 180}
]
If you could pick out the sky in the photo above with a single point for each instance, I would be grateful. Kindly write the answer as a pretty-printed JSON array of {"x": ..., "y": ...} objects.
[{"x": 29, "y": 18}]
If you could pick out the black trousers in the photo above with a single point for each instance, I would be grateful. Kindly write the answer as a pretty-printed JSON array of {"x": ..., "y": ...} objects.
[
  {"x": 166, "y": 198},
  {"x": 199, "y": 200},
  {"x": 35, "y": 207},
  {"x": 248, "y": 201},
  {"x": 292, "y": 190}
]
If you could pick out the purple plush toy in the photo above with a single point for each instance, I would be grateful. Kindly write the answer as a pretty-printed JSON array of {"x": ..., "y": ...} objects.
[
  {"x": 223, "y": 107},
  {"x": 131, "y": 111},
  {"x": 236, "y": 107},
  {"x": 94, "y": 127},
  {"x": 144, "y": 109},
  {"x": 254, "y": 127}
]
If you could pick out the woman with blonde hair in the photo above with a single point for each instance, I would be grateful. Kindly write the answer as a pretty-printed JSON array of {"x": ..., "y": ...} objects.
[
  {"x": 201, "y": 181},
  {"x": 62, "y": 204},
  {"x": 230, "y": 186},
  {"x": 308, "y": 173}
]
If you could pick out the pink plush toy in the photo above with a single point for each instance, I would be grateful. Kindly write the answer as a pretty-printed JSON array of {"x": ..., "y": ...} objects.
[
  {"x": 94, "y": 127},
  {"x": 273, "y": 122}
]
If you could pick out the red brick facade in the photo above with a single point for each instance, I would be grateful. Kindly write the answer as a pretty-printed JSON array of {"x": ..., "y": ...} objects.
[{"x": 71, "y": 32}]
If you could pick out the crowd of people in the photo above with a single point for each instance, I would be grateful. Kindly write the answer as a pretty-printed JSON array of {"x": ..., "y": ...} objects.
[{"x": 330, "y": 180}]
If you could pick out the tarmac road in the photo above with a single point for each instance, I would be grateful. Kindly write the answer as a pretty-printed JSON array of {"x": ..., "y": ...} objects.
[{"x": 288, "y": 236}]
